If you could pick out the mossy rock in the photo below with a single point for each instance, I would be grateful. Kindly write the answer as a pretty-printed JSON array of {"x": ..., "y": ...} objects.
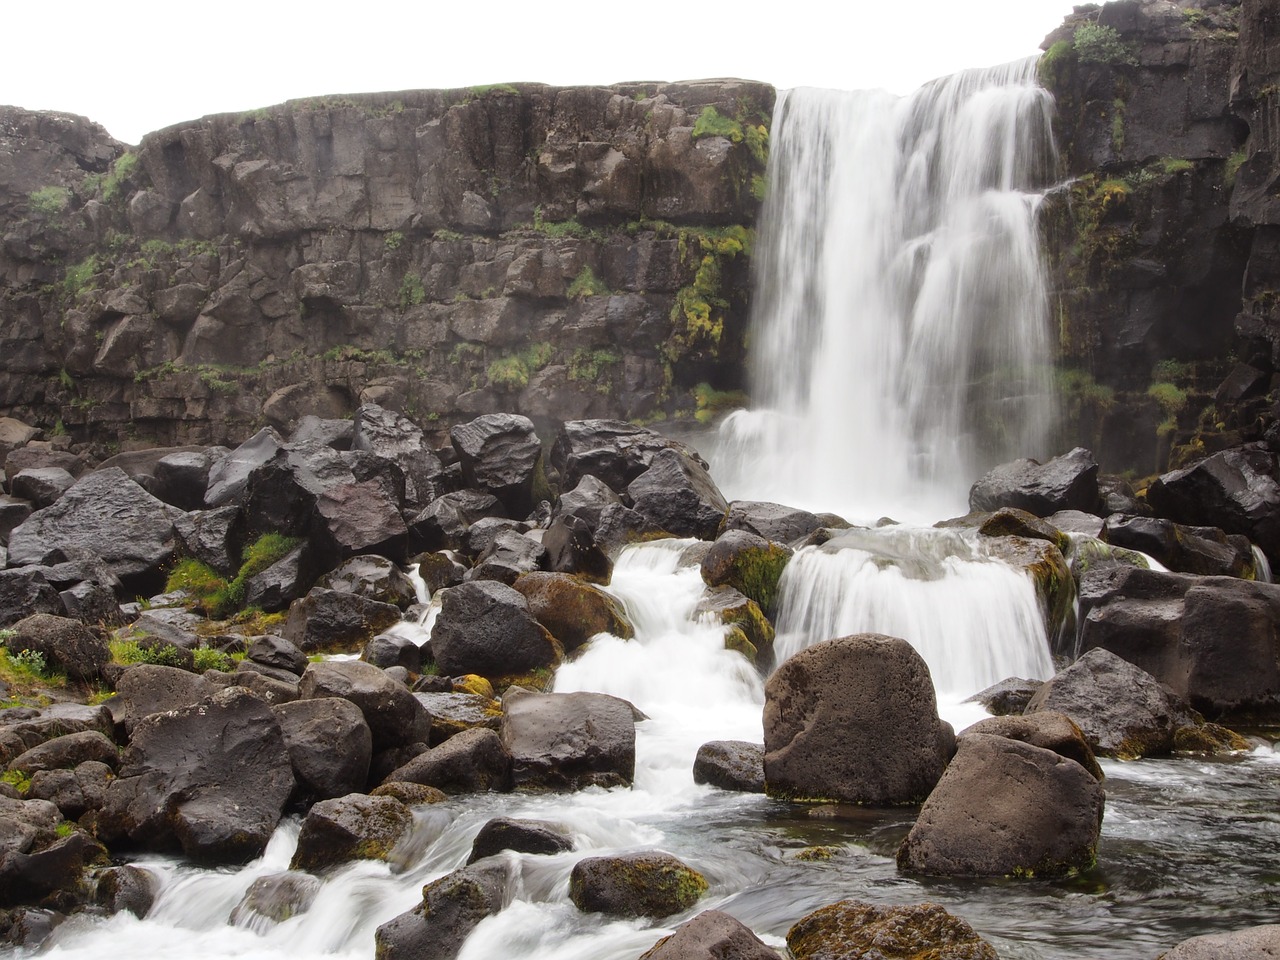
[
  {"x": 651, "y": 885},
  {"x": 1208, "y": 738},
  {"x": 354, "y": 827},
  {"x": 854, "y": 929},
  {"x": 571, "y": 609},
  {"x": 736, "y": 640},
  {"x": 1047, "y": 567},
  {"x": 748, "y": 563},
  {"x": 410, "y": 794},
  {"x": 474, "y": 683},
  {"x": 750, "y": 631},
  {"x": 1012, "y": 522}
]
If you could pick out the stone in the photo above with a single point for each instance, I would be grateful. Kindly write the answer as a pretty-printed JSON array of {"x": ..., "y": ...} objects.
[
  {"x": 277, "y": 652},
  {"x": 571, "y": 548},
  {"x": 500, "y": 454},
  {"x": 395, "y": 717},
  {"x": 274, "y": 899},
  {"x": 568, "y": 741},
  {"x": 731, "y": 608},
  {"x": 1067, "y": 482},
  {"x": 507, "y": 556},
  {"x": 289, "y": 578},
  {"x": 472, "y": 761},
  {"x": 388, "y": 650},
  {"x": 772, "y": 521},
  {"x": 181, "y": 479},
  {"x": 29, "y": 877},
  {"x": 485, "y": 627},
  {"x": 372, "y": 577},
  {"x": 24, "y": 592},
  {"x": 1012, "y": 522},
  {"x": 653, "y": 885},
  {"x": 210, "y": 780},
  {"x": 410, "y": 794},
  {"x": 1047, "y": 729},
  {"x": 573, "y": 611},
  {"x": 65, "y": 645},
  {"x": 1252, "y": 943},
  {"x": 451, "y": 908},
  {"x": 711, "y": 935},
  {"x": 442, "y": 524},
  {"x": 677, "y": 494},
  {"x": 229, "y": 476},
  {"x": 146, "y": 688},
  {"x": 39, "y": 456},
  {"x": 522, "y": 836},
  {"x": 1008, "y": 697},
  {"x": 452, "y": 713},
  {"x": 330, "y": 746},
  {"x": 613, "y": 451},
  {"x": 328, "y": 620},
  {"x": 730, "y": 765},
  {"x": 41, "y": 486},
  {"x": 125, "y": 888},
  {"x": 748, "y": 563},
  {"x": 852, "y": 929},
  {"x": 67, "y": 751},
  {"x": 394, "y": 437},
  {"x": 870, "y": 683},
  {"x": 354, "y": 827},
  {"x": 1006, "y": 808},
  {"x": 1202, "y": 550},
  {"x": 13, "y": 511},
  {"x": 587, "y": 501},
  {"x": 211, "y": 536}
]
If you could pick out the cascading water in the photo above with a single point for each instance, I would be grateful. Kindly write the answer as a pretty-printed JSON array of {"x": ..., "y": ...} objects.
[{"x": 899, "y": 329}]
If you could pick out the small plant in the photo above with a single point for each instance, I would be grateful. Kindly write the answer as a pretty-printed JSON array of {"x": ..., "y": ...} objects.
[
  {"x": 132, "y": 651},
  {"x": 412, "y": 292},
  {"x": 207, "y": 658},
  {"x": 1172, "y": 371},
  {"x": 49, "y": 201},
  {"x": 558, "y": 229},
  {"x": 508, "y": 373},
  {"x": 465, "y": 352},
  {"x": 393, "y": 240},
  {"x": 491, "y": 90},
  {"x": 1173, "y": 165},
  {"x": 1232, "y": 167},
  {"x": 1172, "y": 398},
  {"x": 448, "y": 236},
  {"x": 1095, "y": 43},
  {"x": 31, "y": 661},
  {"x": 79, "y": 276},
  {"x": 1117, "y": 125},
  {"x": 121, "y": 170},
  {"x": 16, "y": 779},
  {"x": 587, "y": 366},
  {"x": 1051, "y": 66},
  {"x": 587, "y": 284}
]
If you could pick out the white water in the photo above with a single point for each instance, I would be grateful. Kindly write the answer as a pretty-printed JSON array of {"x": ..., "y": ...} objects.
[{"x": 900, "y": 337}]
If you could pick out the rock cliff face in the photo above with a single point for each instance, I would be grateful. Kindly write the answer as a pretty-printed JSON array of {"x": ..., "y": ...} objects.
[
  {"x": 1165, "y": 242},
  {"x": 561, "y": 252}
]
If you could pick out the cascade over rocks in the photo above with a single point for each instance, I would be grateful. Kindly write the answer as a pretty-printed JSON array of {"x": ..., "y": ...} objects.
[{"x": 854, "y": 720}]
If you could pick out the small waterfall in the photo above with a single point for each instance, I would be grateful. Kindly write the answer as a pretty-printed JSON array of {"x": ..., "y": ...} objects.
[{"x": 900, "y": 334}]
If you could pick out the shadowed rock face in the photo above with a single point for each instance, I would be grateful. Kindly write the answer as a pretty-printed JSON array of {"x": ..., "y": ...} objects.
[{"x": 531, "y": 249}]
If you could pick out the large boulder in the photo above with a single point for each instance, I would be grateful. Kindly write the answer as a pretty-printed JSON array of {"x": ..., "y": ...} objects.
[
  {"x": 852, "y": 929},
  {"x": 508, "y": 555},
  {"x": 567, "y": 741},
  {"x": 571, "y": 548},
  {"x": 452, "y": 713},
  {"x": 26, "y": 591},
  {"x": 393, "y": 436},
  {"x": 335, "y": 620},
  {"x": 48, "y": 866},
  {"x": 1047, "y": 729},
  {"x": 1203, "y": 550},
  {"x": 372, "y": 577},
  {"x": 229, "y": 476},
  {"x": 69, "y": 750},
  {"x": 677, "y": 494},
  {"x": 522, "y": 836},
  {"x": 730, "y": 765},
  {"x": 772, "y": 521},
  {"x": 587, "y": 501},
  {"x": 571, "y": 610},
  {"x": 41, "y": 486},
  {"x": 1252, "y": 943},
  {"x": 613, "y": 451},
  {"x": 1006, "y": 808},
  {"x": 329, "y": 746},
  {"x": 65, "y": 645},
  {"x": 149, "y": 688},
  {"x": 875, "y": 685},
  {"x": 654, "y": 885},
  {"x": 182, "y": 478},
  {"x": 469, "y": 762},
  {"x": 1067, "y": 482},
  {"x": 105, "y": 514},
  {"x": 395, "y": 716},
  {"x": 747, "y": 562},
  {"x": 451, "y": 908},
  {"x": 443, "y": 523},
  {"x": 500, "y": 453},
  {"x": 354, "y": 827},
  {"x": 485, "y": 627},
  {"x": 210, "y": 780},
  {"x": 711, "y": 935}
]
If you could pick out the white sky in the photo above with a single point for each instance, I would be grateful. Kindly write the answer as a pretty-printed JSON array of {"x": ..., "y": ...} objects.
[{"x": 146, "y": 64}]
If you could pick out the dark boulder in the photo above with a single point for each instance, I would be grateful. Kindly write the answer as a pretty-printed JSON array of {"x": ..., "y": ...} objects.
[
  {"x": 29, "y": 877},
  {"x": 473, "y": 761},
  {"x": 149, "y": 688},
  {"x": 522, "y": 836},
  {"x": 568, "y": 741},
  {"x": 1067, "y": 482},
  {"x": 500, "y": 453},
  {"x": 67, "y": 751},
  {"x": 869, "y": 683},
  {"x": 181, "y": 479},
  {"x": 1009, "y": 697},
  {"x": 1012, "y": 522},
  {"x": 1202, "y": 550},
  {"x": 485, "y": 627},
  {"x": 711, "y": 935},
  {"x": 41, "y": 486},
  {"x": 209, "y": 779},
  {"x": 439, "y": 570},
  {"x": 24, "y": 592},
  {"x": 332, "y": 620},
  {"x": 653, "y": 885},
  {"x": 394, "y": 715},
  {"x": 277, "y": 652},
  {"x": 507, "y": 556},
  {"x": 451, "y": 908},
  {"x": 65, "y": 645},
  {"x": 374, "y": 578},
  {"x": 586, "y": 501},
  {"x": 329, "y": 746},
  {"x": 13, "y": 511},
  {"x": 748, "y": 563},
  {"x": 743, "y": 616},
  {"x": 394, "y": 437},
  {"x": 125, "y": 888},
  {"x": 91, "y": 602},
  {"x": 677, "y": 494},
  {"x": 388, "y": 650},
  {"x": 730, "y": 765},
  {"x": 41, "y": 456},
  {"x": 211, "y": 536},
  {"x": 1006, "y": 808},
  {"x": 452, "y": 713},
  {"x": 573, "y": 611},
  {"x": 443, "y": 523},
  {"x": 772, "y": 521},
  {"x": 354, "y": 827},
  {"x": 229, "y": 476},
  {"x": 571, "y": 548},
  {"x": 853, "y": 929},
  {"x": 1046, "y": 729},
  {"x": 613, "y": 451}
]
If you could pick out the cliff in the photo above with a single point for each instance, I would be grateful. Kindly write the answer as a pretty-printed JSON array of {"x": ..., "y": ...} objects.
[{"x": 559, "y": 252}]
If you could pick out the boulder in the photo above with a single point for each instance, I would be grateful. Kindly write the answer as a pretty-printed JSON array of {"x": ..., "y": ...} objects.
[
  {"x": 74, "y": 792},
  {"x": 27, "y": 877},
  {"x": 522, "y": 836},
  {"x": 229, "y": 476},
  {"x": 13, "y": 511},
  {"x": 1006, "y": 808},
  {"x": 731, "y": 608},
  {"x": 451, "y": 908},
  {"x": 1202, "y": 550},
  {"x": 586, "y": 501},
  {"x": 1012, "y": 522},
  {"x": 209, "y": 779},
  {"x": 67, "y": 751},
  {"x": 730, "y": 765},
  {"x": 91, "y": 602},
  {"x": 485, "y": 627},
  {"x": 212, "y": 537},
  {"x": 677, "y": 494},
  {"x": 648, "y": 884},
  {"x": 15, "y": 434},
  {"x": 571, "y": 610},
  {"x": 439, "y": 570},
  {"x": 331, "y": 620},
  {"x": 395, "y": 717},
  {"x": 452, "y": 713},
  {"x": 329, "y": 746},
  {"x": 1122, "y": 710},
  {"x": 851, "y": 928},
  {"x": 1252, "y": 943},
  {"x": 1009, "y": 697},
  {"x": 394, "y": 437},
  {"x": 571, "y": 548},
  {"x": 276, "y": 652},
  {"x": 388, "y": 650},
  {"x": 568, "y": 741},
  {"x": 613, "y": 451},
  {"x": 500, "y": 453},
  {"x": 40, "y": 456},
  {"x": 149, "y": 688},
  {"x": 772, "y": 521},
  {"x": 41, "y": 486},
  {"x": 711, "y": 935},
  {"x": 182, "y": 478},
  {"x": 23, "y": 730},
  {"x": 748, "y": 563},
  {"x": 374, "y": 578},
  {"x": 65, "y": 645},
  {"x": 443, "y": 523},
  {"x": 873, "y": 684},
  {"x": 1047, "y": 729},
  {"x": 125, "y": 888},
  {"x": 354, "y": 827},
  {"x": 473, "y": 761},
  {"x": 1067, "y": 482},
  {"x": 507, "y": 556},
  {"x": 410, "y": 794},
  {"x": 105, "y": 514},
  {"x": 24, "y": 592},
  {"x": 274, "y": 899}
]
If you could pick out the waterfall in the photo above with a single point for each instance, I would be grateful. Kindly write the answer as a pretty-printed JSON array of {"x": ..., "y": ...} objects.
[{"x": 899, "y": 336}]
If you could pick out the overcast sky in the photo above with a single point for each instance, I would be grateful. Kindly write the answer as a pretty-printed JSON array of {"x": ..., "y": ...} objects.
[{"x": 147, "y": 64}]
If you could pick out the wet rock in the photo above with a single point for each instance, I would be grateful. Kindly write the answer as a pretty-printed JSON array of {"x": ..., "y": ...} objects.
[
  {"x": 330, "y": 620},
  {"x": 452, "y": 713},
  {"x": 392, "y": 436},
  {"x": 275, "y": 588},
  {"x": 568, "y": 741},
  {"x": 1252, "y": 943},
  {"x": 1122, "y": 710},
  {"x": 22, "y": 730},
  {"x": 678, "y": 495},
  {"x": 330, "y": 746},
  {"x": 772, "y": 521},
  {"x": 1067, "y": 482},
  {"x": 1046, "y": 729},
  {"x": 24, "y": 592},
  {"x": 473, "y": 761},
  {"x": 65, "y": 752},
  {"x": 444, "y": 522},
  {"x": 711, "y": 935},
  {"x": 181, "y": 479},
  {"x": 374, "y": 578},
  {"x": 29, "y": 877},
  {"x": 65, "y": 645},
  {"x": 210, "y": 779},
  {"x": 571, "y": 610},
  {"x": 1011, "y": 522},
  {"x": 654, "y": 885},
  {"x": 41, "y": 456},
  {"x": 410, "y": 794},
  {"x": 391, "y": 650},
  {"x": 867, "y": 682},
  {"x": 508, "y": 555},
  {"x": 451, "y": 908},
  {"x": 613, "y": 451},
  {"x": 500, "y": 453},
  {"x": 730, "y": 765},
  {"x": 485, "y": 627},
  {"x": 91, "y": 602},
  {"x": 522, "y": 836},
  {"x": 571, "y": 548},
  {"x": 1202, "y": 550},
  {"x": 354, "y": 827},
  {"x": 149, "y": 688},
  {"x": 1008, "y": 697},
  {"x": 748, "y": 563},
  {"x": 851, "y": 929},
  {"x": 229, "y": 476},
  {"x": 124, "y": 888},
  {"x": 277, "y": 652},
  {"x": 274, "y": 899},
  {"x": 394, "y": 715},
  {"x": 13, "y": 511},
  {"x": 731, "y": 608},
  {"x": 587, "y": 501},
  {"x": 1006, "y": 808},
  {"x": 210, "y": 536}
]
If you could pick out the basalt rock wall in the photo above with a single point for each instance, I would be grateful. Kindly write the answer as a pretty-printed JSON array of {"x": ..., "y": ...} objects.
[{"x": 560, "y": 252}]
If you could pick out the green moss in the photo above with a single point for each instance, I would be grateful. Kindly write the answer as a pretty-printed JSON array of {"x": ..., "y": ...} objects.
[
  {"x": 207, "y": 658},
  {"x": 16, "y": 779},
  {"x": 1232, "y": 167},
  {"x": 1172, "y": 399},
  {"x": 1095, "y": 43},
  {"x": 512, "y": 372},
  {"x": 79, "y": 276},
  {"x": 1117, "y": 125},
  {"x": 711, "y": 123},
  {"x": 1175, "y": 165},
  {"x": 587, "y": 284},
  {"x": 393, "y": 240},
  {"x": 1053, "y": 65},
  {"x": 756, "y": 572},
  {"x": 709, "y": 402},
  {"x": 119, "y": 174},
  {"x": 491, "y": 90},
  {"x": 590, "y": 366},
  {"x": 217, "y": 597},
  {"x": 412, "y": 291},
  {"x": 131, "y": 651},
  {"x": 49, "y": 201}
]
